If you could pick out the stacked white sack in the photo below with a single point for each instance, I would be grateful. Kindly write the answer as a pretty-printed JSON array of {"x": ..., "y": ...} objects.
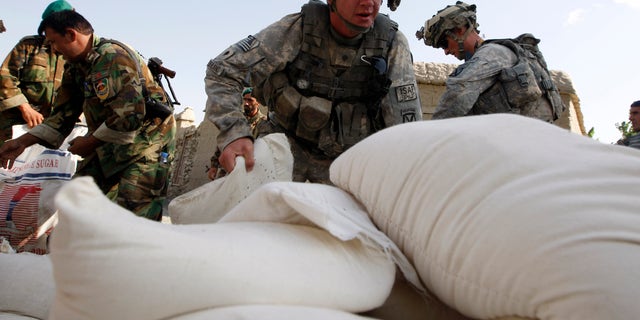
[{"x": 504, "y": 215}]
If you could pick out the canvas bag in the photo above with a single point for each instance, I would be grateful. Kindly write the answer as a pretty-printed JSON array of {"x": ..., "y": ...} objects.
[{"x": 27, "y": 215}]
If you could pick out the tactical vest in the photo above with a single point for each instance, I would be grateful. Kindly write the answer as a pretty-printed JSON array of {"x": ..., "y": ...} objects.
[
  {"x": 330, "y": 94},
  {"x": 524, "y": 83}
]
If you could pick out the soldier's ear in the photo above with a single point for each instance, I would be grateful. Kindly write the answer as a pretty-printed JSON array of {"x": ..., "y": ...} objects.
[{"x": 70, "y": 34}]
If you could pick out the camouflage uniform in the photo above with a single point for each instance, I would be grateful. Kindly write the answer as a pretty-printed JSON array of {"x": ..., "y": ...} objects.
[
  {"x": 254, "y": 121},
  {"x": 285, "y": 50},
  {"x": 30, "y": 74},
  {"x": 106, "y": 88},
  {"x": 475, "y": 88}
]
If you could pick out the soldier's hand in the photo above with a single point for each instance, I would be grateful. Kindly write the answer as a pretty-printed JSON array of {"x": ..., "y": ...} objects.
[
  {"x": 9, "y": 151},
  {"x": 211, "y": 173},
  {"x": 242, "y": 147},
  {"x": 30, "y": 115},
  {"x": 84, "y": 146}
]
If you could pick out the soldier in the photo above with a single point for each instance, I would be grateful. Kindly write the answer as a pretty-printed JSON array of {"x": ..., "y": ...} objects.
[
  {"x": 331, "y": 75},
  {"x": 254, "y": 116},
  {"x": 29, "y": 76},
  {"x": 126, "y": 151},
  {"x": 633, "y": 140},
  {"x": 497, "y": 76}
]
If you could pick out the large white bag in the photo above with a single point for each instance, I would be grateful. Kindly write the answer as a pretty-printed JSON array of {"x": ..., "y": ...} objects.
[
  {"x": 26, "y": 285},
  {"x": 270, "y": 312},
  {"x": 209, "y": 202},
  {"x": 27, "y": 215},
  {"x": 110, "y": 264},
  {"x": 504, "y": 215}
]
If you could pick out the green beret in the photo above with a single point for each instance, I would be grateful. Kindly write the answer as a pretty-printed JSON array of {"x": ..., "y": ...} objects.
[
  {"x": 247, "y": 90},
  {"x": 58, "y": 5}
]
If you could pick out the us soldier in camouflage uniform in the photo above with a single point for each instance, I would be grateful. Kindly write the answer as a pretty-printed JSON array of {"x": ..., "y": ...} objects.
[
  {"x": 123, "y": 148},
  {"x": 331, "y": 75},
  {"x": 29, "y": 76},
  {"x": 491, "y": 80}
]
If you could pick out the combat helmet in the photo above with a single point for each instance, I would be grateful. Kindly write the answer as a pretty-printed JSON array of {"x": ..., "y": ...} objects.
[{"x": 452, "y": 16}]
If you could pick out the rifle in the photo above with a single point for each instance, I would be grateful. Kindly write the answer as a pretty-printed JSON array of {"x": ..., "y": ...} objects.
[{"x": 157, "y": 70}]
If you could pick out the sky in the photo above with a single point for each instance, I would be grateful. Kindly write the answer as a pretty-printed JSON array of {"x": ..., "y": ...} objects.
[{"x": 593, "y": 41}]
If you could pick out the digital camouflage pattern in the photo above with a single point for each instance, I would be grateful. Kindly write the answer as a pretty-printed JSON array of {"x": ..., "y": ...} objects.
[
  {"x": 105, "y": 87},
  {"x": 474, "y": 88},
  {"x": 252, "y": 61},
  {"x": 30, "y": 73}
]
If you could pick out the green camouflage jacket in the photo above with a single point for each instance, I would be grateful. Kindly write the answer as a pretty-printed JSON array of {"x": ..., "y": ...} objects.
[
  {"x": 106, "y": 88},
  {"x": 30, "y": 74}
]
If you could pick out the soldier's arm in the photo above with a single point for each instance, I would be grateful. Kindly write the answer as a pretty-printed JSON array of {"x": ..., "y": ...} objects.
[
  {"x": 10, "y": 94},
  {"x": 247, "y": 63},
  {"x": 115, "y": 79},
  {"x": 66, "y": 110},
  {"x": 471, "y": 79},
  {"x": 402, "y": 103}
]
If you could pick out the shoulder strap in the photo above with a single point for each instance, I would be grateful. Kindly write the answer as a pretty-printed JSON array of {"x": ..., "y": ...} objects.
[{"x": 133, "y": 56}]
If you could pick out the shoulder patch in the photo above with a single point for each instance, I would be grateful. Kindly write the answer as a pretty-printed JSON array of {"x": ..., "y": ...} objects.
[
  {"x": 101, "y": 87},
  {"x": 248, "y": 43},
  {"x": 406, "y": 93}
]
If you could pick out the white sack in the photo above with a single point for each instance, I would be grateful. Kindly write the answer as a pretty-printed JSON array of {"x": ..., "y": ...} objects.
[
  {"x": 13, "y": 316},
  {"x": 505, "y": 215},
  {"x": 327, "y": 207},
  {"x": 26, "y": 285},
  {"x": 110, "y": 264},
  {"x": 270, "y": 312},
  {"x": 209, "y": 202}
]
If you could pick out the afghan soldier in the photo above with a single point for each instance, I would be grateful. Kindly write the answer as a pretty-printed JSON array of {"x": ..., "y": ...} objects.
[
  {"x": 29, "y": 76},
  {"x": 330, "y": 75},
  {"x": 126, "y": 150},
  {"x": 633, "y": 140},
  {"x": 508, "y": 75}
]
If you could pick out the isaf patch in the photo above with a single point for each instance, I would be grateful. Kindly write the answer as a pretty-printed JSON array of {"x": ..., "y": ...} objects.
[
  {"x": 406, "y": 93},
  {"x": 101, "y": 87}
]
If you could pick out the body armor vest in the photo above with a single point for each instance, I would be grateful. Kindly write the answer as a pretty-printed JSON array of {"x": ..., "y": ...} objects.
[
  {"x": 330, "y": 94},
  {"x": 525, "y": 86}
]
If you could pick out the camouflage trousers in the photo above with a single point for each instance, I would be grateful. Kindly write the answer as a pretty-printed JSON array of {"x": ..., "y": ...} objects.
[{"x": 140, "y": 188}]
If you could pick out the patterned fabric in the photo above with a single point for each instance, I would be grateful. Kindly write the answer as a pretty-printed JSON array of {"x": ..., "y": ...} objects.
[
  {"x": 475, "y": 88},
  {"x": 105, "y": 87},
  {"x": 30, "y": 73},
  {"x": 254, "y": 60}
]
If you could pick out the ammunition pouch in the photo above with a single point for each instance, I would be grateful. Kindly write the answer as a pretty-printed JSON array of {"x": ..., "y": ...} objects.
[
  {"x": 493, "y": 100},
  {"x": 353, "y": 123},
  {"x": 286, "y": 107},
  {"x": 520, "y": 85},
  {"x": 315, "y": 113},
  {"x": 156, "y": 109}
]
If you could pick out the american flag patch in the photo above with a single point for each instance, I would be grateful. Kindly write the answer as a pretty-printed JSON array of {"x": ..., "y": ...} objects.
[{"x": 247, "y": 43}]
